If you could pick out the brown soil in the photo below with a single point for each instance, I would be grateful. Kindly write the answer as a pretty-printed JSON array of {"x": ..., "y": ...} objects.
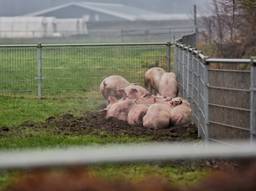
[{"x": 94, "y": 123}]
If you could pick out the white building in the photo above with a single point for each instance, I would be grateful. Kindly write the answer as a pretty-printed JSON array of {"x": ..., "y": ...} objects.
[{"x": 38, "y": 27}]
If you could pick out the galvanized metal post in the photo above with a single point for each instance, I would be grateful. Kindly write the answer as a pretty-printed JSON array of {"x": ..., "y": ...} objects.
[
  {"x": 253, "y": 101},
  {"x": 192, "y": 81},
  {"x": 183, "y": 73},
  {"x": 206, "y": 101},
  {"x": 39, "y": 71},
  {"x": 168, "y": 56},
  {"x": 175, "y": 60},
  {"x": 188, "y": 74}
]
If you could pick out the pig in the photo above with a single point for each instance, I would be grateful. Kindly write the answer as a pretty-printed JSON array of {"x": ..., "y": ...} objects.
[
  {"x": 152, "y": 78},
  {"x": 158, "y": 116},
  {"x": 119, "y": 109},
  {"x": 136, "y": 114},
  {"x": 110, "y": 86},
  {"x": 133, "y": 91},
  {"x": 168, "y": 85},
  {"x": 181, "y": 114},
  {"x": 151, "y": 99}
]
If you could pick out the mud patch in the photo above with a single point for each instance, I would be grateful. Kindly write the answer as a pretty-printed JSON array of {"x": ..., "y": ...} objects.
[{"x": 94, "y": 123}]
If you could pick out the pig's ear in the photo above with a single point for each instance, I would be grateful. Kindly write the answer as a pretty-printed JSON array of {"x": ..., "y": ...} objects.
[
  {"x": 112, "y": 99},
  {"x": 122, "y": 93}
]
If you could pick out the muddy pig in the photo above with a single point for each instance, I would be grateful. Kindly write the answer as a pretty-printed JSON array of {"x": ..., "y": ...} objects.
[
  {"x": 158, "y": 116},
  {"x": 110, "y": 86},
  {"x": 119, "y": 109},
  {"x": 181, "y": 114},
  {"x": 152, "y": 78},
  {"x": 136, "y": 114},
  {"x": 133, "y": 91},
  {"x": 168, "y": 85}
]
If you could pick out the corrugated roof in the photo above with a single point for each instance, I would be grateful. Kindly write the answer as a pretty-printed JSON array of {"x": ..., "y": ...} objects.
[{"x": 118, "y": 10}]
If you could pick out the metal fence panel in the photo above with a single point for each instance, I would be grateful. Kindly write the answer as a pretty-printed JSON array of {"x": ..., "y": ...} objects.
[
  {"x": 253, "y": 101},
  {"x": 18, "y": 70},
  {"x": 222, "y": 94}
]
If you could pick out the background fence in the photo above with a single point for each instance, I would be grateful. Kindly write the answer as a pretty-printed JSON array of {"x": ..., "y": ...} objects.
[
  {"x": 70, "y": 70},
  {"x": 222, "y": 93}
]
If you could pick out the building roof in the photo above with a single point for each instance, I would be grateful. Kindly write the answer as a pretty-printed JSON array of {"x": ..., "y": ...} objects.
[{"x": 117, "y": 10}]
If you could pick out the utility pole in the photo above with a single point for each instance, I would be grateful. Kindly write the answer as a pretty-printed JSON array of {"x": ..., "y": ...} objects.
[{"x": 195, "y": 25}]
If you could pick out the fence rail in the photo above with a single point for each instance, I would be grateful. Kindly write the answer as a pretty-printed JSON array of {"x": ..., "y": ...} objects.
[
  {"x": 123, "y": 153},
  {"x": 222, "y": 93}
]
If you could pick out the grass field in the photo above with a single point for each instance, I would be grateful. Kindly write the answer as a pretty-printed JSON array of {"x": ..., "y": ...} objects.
[{"x": 70, "y": 85}]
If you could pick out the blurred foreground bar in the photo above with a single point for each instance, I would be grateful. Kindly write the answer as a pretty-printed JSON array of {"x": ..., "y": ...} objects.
[{"x": 103, "y": 154}]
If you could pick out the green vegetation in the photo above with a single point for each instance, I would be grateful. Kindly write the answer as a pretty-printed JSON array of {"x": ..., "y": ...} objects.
[{"x": 174, "y": 173}]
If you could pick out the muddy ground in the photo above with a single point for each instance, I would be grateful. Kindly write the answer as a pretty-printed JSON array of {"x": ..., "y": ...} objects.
[{"x": 94, "y": 123}]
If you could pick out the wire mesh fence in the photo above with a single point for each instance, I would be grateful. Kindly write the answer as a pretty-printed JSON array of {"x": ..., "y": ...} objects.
[
  {"x": 221, "y": 91},
  {"x": 51, "y": 70}
]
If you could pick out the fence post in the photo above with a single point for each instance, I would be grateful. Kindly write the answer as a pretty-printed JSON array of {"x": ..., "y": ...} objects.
[
  {"x": 168, "y": 56},
  {"x": 206, "y": 100},
  {"x": 253, "y": 101},
  {"x": 183, "y": 72},
  {"x": 39, "y": 71},
  {"x": 191, "y": 74},
  {"x": 175, "y": 59},
  {"x": 188, "y": 74}
]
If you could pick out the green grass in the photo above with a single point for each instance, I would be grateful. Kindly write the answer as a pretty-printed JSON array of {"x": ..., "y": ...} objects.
[
  {"x": 14, "y": 111},
  {"x": 45, "y": 140},
  {"x": 137, "y": 172}
]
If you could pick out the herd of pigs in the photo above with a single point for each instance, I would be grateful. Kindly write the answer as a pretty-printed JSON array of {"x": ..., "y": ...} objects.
[{"x": 155, "y": 106}]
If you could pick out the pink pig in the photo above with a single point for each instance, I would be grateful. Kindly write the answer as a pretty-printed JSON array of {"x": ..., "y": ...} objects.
[
  {"x": 168, "y": 85},
  {"x": 133, "y": 91},
  {"x": 152, "y": 78},
  {"x": 151, "y": 99},
  {"x": 110, "y": 86},
  {"x": 158, "y": 116},
  {"x": 119, "y": 109},
  {"x": 181, "y": 114},
  {"x": 136, "y": 114}
]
